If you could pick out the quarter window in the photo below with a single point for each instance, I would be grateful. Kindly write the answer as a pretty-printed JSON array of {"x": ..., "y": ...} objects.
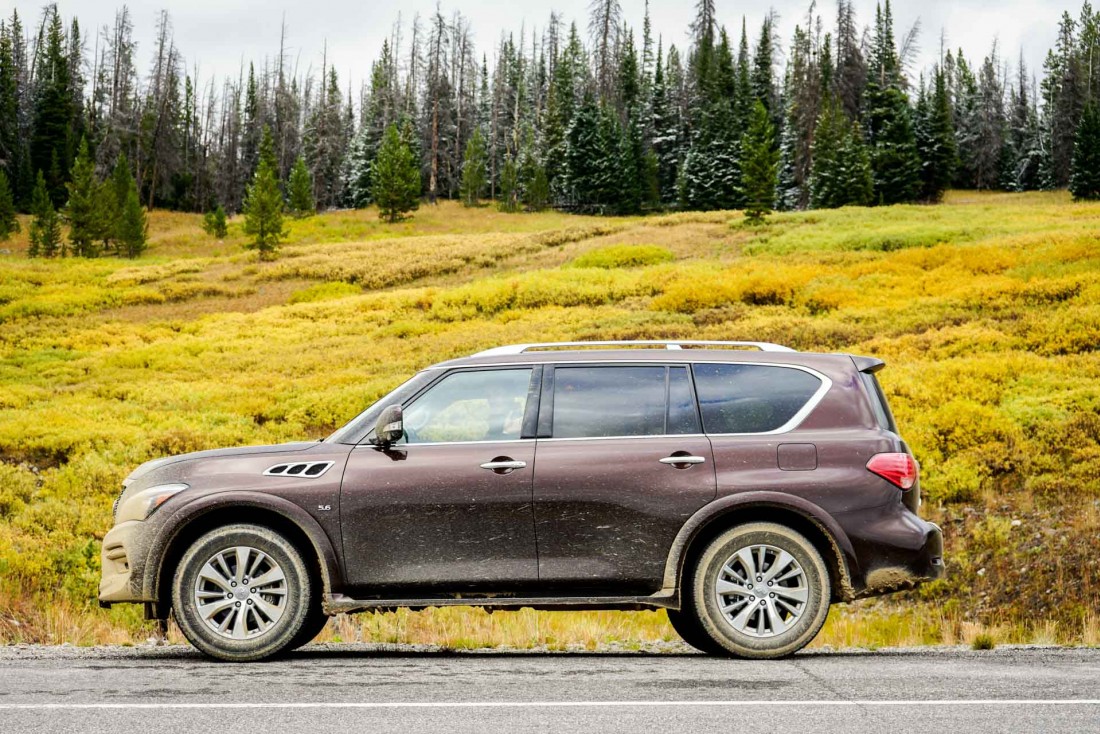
[
  {"x": 745, "y": 398},
  {"x": 483, "y": 405}
]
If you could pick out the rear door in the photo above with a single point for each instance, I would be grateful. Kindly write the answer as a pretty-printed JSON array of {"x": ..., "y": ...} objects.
[
  {"x": 622, "y": 463},
  {"x": 750, "y": 413}
]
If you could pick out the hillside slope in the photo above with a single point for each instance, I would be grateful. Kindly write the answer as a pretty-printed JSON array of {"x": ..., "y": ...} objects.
[{"x": 986, "y": 309}]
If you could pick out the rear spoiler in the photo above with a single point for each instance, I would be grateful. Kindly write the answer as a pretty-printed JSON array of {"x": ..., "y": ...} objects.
[{"x": 869, "y": 365}]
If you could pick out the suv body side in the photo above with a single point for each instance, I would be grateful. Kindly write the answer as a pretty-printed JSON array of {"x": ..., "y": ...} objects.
[{"x": 588, "y": 518}]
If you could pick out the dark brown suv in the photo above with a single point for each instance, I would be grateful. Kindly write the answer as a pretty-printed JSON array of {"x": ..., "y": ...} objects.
[{"x": 742, "y": 491}]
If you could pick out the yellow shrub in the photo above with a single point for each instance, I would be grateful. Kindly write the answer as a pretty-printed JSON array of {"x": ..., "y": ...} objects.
[{"x": 623, "y": 256}]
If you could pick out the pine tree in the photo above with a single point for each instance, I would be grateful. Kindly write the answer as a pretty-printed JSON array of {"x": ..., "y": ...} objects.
[
  {"x": 935, "y": 135},
  {"x": 472, "y": 187},
  {"x": 583, "y": 157},
  {"x": 1024, "y": 157},
  {"x": 300, "y": 190},
  {"x": 14, "y": 150},
  {"x": 111, "y": 197},
  {"x": 1084, "y": 182},
  {"x": 759, "y": 165},
  {"x": 509, "y": 186},
  {"x": 51, "y": 140},
  {"x": 263, "y": 204},
  {"x": 536, "y": 192},
  {"x": 895, "y": 163},
  {"x": 133, "y": 229},
  {"x": 45, "y": 229},
  {"x": 82, "y": 211},
  {"x": 841, "y": 172},
  {"x": 395, "y": 177},
  {"x": 9, "y": 225},
  {"x": 214, "y": 223}
]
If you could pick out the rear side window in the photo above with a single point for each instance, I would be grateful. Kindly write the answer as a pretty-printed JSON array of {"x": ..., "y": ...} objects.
[
  {"x": 747, "y": 398},
  {"x": 597, "y": 402},
  {"x": 600, "y": 402}
]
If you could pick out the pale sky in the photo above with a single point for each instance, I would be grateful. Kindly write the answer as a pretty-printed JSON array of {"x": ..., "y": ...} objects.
[{"x": 217, "y": 34}]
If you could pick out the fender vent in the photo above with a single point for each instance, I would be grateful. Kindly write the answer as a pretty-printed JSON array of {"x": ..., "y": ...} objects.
[{"x": 312, "y": 469}]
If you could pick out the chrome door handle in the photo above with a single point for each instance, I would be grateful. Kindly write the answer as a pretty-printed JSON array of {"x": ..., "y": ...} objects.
[
  {"x": 682, "y": 460},
  {"x": 505, "y": 465}
]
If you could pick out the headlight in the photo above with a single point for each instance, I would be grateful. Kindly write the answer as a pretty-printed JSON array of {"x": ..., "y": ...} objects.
[{"x": 144, "y": 503}]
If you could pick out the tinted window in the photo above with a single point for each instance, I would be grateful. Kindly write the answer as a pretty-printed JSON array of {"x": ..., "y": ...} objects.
[
  {"x": 485, "y": 405},
  {"x": 878, "y": 401},
  {"x": 743, "y": 398},
  {"x": 592, "y": 402},
  {"x": 682, "y": 415}
]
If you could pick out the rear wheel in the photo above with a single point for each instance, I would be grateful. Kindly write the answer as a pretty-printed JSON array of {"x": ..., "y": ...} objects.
[
  {"x": 686, "y": 623},
  {"x": 242, "y": 592},
  {"x": 761, "y": 590}
]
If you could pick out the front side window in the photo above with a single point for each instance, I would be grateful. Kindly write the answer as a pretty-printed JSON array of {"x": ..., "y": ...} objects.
[
  {"x": 483, "y": 405},
  {"x": 747, "y": 398},
  {"x": 601, "y": 402}
]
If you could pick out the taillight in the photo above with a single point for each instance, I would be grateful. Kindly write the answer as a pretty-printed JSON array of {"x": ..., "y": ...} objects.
[{"x": 898, "y": 469}]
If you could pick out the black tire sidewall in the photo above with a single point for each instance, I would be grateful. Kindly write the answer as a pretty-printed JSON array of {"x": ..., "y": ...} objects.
[
  {"x": 299, "y": 593},
  {"x": 713, "y": 621},
  {"x": 315, "y": 622},
  {"x": 686, "y": 623}
]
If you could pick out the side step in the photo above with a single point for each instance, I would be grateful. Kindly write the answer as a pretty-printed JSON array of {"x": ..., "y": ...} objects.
[{"x": 337, "y": 603}]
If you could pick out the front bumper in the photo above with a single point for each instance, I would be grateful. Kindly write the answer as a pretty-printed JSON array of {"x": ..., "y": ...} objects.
[{"x": 120, "y": 549}]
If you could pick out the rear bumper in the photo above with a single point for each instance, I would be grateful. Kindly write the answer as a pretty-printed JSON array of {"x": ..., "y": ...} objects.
[{"x": 895, "y": 550}]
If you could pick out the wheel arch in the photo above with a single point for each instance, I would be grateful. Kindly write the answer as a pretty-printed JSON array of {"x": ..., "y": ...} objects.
[
  {"x": 788, "y": 510},
  {"x": 213, "y": 511}
]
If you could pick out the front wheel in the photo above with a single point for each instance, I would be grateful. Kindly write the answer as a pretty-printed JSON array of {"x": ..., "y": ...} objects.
[
  {"x": 761, "y": 590},
  {"x": 241, "y": 593}
]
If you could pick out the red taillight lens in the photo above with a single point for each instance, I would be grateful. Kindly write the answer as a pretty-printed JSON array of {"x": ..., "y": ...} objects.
[{"x": 898, "y": 469}]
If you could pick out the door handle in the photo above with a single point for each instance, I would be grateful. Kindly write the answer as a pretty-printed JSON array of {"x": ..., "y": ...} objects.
[
  {"x": 674, "y": 460},
  {"x": 503, "y": 466}
]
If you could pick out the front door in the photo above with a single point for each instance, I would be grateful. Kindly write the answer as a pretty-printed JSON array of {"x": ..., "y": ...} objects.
[
  {"x": 449, "y": 508},
  {"x": 622, "y": 467}
]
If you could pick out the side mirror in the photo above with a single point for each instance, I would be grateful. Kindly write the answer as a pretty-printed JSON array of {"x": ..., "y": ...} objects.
[{"x": 390, "y": 427}]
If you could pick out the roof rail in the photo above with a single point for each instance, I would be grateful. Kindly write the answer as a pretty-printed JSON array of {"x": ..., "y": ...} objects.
[{"x": 512, "y": 349}]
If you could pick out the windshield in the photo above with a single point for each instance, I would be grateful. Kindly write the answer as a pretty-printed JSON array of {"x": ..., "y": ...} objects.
[{"x": 358, "y": 427}]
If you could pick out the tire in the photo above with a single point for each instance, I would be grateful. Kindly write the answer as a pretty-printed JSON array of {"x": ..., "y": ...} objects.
[
  {"x": 315, "y": 622},
  {"x": 753, "y": 625},
  {"x": 258, "y": 621},
  {"x": 686, "y": 624}
]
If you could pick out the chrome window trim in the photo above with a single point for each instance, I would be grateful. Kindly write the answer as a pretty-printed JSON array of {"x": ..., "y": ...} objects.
[
  {"x": 790, "y": 425},
  {"x": 622, "y": 438},
  {"x": 407, "y": 446}
]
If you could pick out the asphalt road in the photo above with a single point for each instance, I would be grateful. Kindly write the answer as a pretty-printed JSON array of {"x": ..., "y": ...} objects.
[{"x": 353, "y": 688}]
